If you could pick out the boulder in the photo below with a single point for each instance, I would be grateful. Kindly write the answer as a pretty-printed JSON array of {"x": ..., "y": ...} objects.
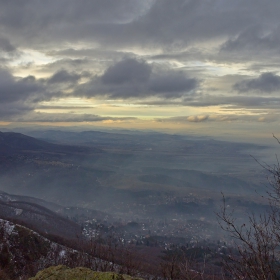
[{"x": 62, "y": 272}]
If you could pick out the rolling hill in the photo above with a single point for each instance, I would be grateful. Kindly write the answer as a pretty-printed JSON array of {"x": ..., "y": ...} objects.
[{"x": 13, "y": 143}]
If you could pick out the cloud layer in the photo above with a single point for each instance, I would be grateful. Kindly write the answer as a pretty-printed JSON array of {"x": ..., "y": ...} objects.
[
  {"x": 131, "y": 78},
  {"x": 196, "y": 54},
  {"x": 265, "y": 83}
]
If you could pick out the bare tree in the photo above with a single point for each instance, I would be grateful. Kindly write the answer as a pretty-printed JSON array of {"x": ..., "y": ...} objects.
[
  {"x": 256, "y": 244},
  {"x": 256, "y": 254}
]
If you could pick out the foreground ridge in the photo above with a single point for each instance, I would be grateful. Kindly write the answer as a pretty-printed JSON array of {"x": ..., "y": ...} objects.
[{"x": 62, "y": 272}]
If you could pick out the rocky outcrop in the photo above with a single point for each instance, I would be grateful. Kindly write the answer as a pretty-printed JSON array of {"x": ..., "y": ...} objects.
[{"x": 62, "y": 272}]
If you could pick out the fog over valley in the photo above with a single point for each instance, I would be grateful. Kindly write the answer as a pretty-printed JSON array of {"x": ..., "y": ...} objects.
[{"x": 132, "y": 176}]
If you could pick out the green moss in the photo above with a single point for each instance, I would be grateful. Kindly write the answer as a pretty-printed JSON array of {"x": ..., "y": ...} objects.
[{"x": 62, "y": 272}]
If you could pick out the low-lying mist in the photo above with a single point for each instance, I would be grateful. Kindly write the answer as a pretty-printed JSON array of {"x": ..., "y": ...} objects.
[{"x": 168, "y": 185}]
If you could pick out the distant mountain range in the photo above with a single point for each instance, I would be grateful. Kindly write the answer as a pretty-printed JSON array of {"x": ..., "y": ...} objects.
[
  {"x": 13, "y": 143},
  {"x": 104, "y": 170}
]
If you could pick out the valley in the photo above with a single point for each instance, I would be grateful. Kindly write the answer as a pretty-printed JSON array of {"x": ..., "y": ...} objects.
[{"x": 151, "y": 193}]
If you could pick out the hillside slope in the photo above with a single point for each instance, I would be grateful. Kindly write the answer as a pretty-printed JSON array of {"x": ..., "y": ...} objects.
[
  {"x": 23, "y": 252},
  {"x": 39, "y": 219}
]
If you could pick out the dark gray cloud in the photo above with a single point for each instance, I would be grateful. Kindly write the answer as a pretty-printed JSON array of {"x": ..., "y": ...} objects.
[
  {"x": 172, "y": 81},
  {"x": 12, "y": 89},
  {"x": 41, "y": 22},
  {"x": 158, "y": 23},
  {"x": 174, "y": 25},
  {"x": 254, "y": 39},
  {"x": 64, "y": 76},
  {"x": 20, "y": 95},
  {"x": 6, "y": 46},
  {"x": 12, "y": 109},
  {"x": 131, "y": 78},
  {"x": 265, "y": 83},
  {"x": 127, "y": 71},
  {"x": 96, "y": 29}
]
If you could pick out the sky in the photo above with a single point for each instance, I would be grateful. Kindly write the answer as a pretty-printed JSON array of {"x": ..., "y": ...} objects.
[{"x": 209, "y": 67}]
